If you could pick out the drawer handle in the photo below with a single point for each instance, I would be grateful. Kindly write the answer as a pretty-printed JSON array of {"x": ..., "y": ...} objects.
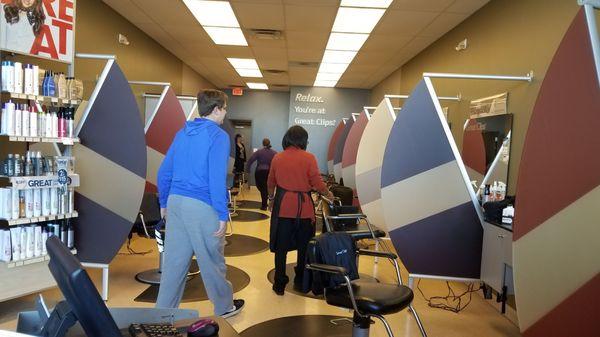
[{"x": 501, "y": 236}]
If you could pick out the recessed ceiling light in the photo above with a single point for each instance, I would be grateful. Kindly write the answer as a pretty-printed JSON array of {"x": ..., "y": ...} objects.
[
  {"x": 328, "y": 77},
  {"x": 329, "y": 84},
  {"x": 356, "y": 20},
  {"x": 333, "y": 68},
  {"x": 212, "y": 13},
  {"x": 346, "y": 41},
  {"x": 239, "y": 63},
  {"x": 226, "y": 36},
  {"x": 338, "y": 56},
  {"x": 249, "y": 72},
  {"x": 260, "y": 86},
  {"x": 366, "y": 3}
]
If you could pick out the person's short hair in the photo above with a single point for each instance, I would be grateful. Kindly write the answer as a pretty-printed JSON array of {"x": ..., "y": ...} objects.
[
  {"x": 267, "y": 143},
  {"x": 208, "y": 99},
  {"x": 295, "y": 136}
]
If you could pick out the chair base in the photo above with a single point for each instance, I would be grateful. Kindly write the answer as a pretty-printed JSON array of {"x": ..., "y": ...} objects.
[
  {"x": 151, "y": 276},
  {"x": 360, "y": 326}
]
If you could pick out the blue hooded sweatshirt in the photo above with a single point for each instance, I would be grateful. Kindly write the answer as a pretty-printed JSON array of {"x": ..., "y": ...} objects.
[{"x": 196, "y": 166}]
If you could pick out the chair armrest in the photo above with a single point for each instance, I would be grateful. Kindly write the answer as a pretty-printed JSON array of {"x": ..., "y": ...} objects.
[
  {"x": 327, "y": 268},
  {"x": 348, "y": 216},
  {"x": 377, "y": 254}
]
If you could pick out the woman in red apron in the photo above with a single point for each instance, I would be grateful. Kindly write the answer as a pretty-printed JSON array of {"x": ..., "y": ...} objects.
[{"x": 293, "y": 175}]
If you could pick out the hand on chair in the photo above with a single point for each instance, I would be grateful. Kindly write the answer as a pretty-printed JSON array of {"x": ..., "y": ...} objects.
[{"x": 163, "y": 213}]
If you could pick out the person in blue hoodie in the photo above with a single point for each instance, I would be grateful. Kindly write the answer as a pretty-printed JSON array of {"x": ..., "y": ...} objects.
[{"x": 193, "y": 200}]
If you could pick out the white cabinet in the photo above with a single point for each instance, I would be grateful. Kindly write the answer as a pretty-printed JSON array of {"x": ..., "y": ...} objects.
[{"x": 496, "y": 255}]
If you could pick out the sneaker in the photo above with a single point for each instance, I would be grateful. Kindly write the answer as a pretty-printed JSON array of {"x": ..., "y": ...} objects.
[{"x": 237, "y": 307}]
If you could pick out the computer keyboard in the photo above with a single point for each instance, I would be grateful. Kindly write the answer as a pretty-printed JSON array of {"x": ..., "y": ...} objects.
[{"x": 154, "y": 330}]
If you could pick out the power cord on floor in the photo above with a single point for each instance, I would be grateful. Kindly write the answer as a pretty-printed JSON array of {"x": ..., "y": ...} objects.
[
  {"x": 131, "y": 251},
  {"x": 451, "y": 302}
]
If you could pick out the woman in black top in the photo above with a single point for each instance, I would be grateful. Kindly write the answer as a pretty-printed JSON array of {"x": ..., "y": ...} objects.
[{"x": 240, "y": 158}]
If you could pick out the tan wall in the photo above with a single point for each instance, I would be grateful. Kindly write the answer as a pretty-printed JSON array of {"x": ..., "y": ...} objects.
[
  {"x": 505, "y": 37},
  {"x": 191, "y": 82}
]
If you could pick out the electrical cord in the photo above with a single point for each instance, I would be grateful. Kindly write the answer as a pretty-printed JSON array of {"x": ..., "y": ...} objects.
[
  {"x": 131, "y": 251},
  {"x": 451, "y": 302}
]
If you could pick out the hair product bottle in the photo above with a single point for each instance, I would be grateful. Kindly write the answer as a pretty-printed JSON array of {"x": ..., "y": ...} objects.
[{"x": 18, "y": 73}]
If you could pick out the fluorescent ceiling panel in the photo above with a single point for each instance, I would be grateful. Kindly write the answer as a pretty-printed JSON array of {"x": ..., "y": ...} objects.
[
  {"x": 249, "y": 72},
  {"x": 356, "y": 20},
  {"x": 329, "y": 84},
  {"x": 226, "y": 36},
  {"x": 346, "y": 41},
  {"x": 338, "y": 56},
  {"x": 239, "y": 63},
  {"x": 260, "y": 86},
  {"x": 333, "y": 68},
  {"x": 328, "y": 77},
  {"x": 212, "y": 13},
  {"x": 366, "y": 3}
]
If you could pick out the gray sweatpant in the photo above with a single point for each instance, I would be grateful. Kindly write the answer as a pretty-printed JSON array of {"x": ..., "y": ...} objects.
[{"x": 190, "y": 227}]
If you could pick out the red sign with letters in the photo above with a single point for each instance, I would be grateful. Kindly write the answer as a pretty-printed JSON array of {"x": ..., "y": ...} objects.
[{"x": 43, "y": 28}]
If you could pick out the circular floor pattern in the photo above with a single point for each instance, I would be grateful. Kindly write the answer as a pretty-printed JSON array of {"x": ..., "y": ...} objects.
[
  {"x": 239, "y": 245},
  {"x": 248, "y": 216},
  {"x": 289, "y": 271},
  {"x": 301, "y": 326},
  {"x": 194, "y": 288},
  {"x": 250, "y": 204}
]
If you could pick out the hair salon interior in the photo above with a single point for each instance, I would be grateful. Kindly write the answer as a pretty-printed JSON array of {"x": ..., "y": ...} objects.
[{"x": 454, "y": 166}]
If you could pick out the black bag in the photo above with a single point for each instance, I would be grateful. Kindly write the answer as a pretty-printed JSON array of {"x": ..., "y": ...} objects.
[{"x": 336, "y": 249}]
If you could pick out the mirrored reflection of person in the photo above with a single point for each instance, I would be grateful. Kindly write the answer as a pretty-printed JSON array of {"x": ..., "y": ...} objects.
[
  {"x": 294, "y": 174},
  {"x": 240, "y": 158},
  {"x": 263, "y": 158},
  {"x": 24, "y": 21}
]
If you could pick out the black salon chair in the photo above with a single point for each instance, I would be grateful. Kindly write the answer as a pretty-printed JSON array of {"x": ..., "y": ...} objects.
[
  {"x": 366, "y": 298},
  {"x": 337, "y": 218}
]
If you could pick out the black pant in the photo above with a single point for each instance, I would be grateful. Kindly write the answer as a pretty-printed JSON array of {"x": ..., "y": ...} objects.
[
  {"x": 304, "y": 232},
  {"x": 260, "y": 176}
]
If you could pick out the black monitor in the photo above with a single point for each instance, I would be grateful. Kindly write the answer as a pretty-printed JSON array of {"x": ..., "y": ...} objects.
[{"x": 82, "y": 297}]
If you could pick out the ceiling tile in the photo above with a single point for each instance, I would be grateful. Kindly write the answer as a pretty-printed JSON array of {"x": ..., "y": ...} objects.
[
  {"x": 134, "y": 14},
  {"x": 167, "y": 12},
  {"x": 330, "y": 3},
  {"x": 404, "y": 23},
  {"x": 235, "y": 51},
  {"x": 466, "y": 6},
  {"x": 421, "y": 5},
  {"x": 201, "y": 49},
  {"x": 283, "y": 78},
  {"x": 254, "y": 42},
  {"x": 418, "y": 44},
  {"x": 309, "y": 18},
  {"x": 273, "y": 63},
  {"x": 371, "y": 58},
  {"x": 258, "y": 1},
  {"x": 302, "y": 74},
  {"x": 276, "y": 53},
  {"x": 354, "y": 84},
  {"x": 305, "y": 55},
  {"x": 381, "y": 43},
  {"x": 443, "y": 24},
  {"x": 190, "y": 34},
  {"x": 306, "y": 40},
  {"x": 259, "y": 16}
]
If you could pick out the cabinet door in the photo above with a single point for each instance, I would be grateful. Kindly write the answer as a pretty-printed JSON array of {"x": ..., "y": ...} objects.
[{"x": 494, "y": 255}]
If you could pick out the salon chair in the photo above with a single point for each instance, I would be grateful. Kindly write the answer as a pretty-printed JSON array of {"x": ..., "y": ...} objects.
[
  {"x": 337, "y": 218},
  {"x": 367, "y": 299}
]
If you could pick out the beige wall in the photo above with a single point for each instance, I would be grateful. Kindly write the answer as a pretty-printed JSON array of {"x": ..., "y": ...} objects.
[
  {"x": 97, "y": 28},
  {"x": 505, "y": 37}
]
